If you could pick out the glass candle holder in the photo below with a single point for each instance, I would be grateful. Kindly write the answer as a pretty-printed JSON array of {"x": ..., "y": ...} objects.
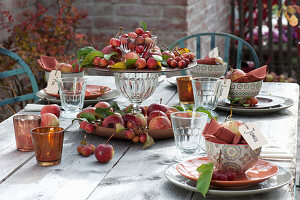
[
  {"x": 185, "y": 90},
  {"x": 48, "y": 144},
  {"x": 22, "y": 126}
]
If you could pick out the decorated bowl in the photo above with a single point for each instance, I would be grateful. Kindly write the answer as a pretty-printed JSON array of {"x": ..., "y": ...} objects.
[
  {"x": 244, "y": 90},
  {"x": 238, "y": 158},
  {"x": 203, "y": 70}
]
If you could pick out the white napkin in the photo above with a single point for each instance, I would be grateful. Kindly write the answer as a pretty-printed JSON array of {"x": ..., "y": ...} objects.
[{"x": 33, "y": 107}]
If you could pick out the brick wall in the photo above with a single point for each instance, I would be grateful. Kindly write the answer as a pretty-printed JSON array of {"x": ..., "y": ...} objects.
[{"x": 168, "y": 19}]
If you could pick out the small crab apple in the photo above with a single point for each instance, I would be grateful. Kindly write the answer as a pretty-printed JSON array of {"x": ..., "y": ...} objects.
[
  {"x": 187, "y": 61},
  {"x": 135, "y": 139},
  {"x": 86, "y": 151},
  {"x": 79, "y": 149},
  {"x": 174, "y": 64},
  {"x": 133, "y": 35},
  {"x": 115, "y": 42},
  {"x": 89, "y": 128},
  {"x": 148, "y": 33},
  {"x": 169, "y": 60},
  {"x": 139, "y": 31},
  {"x": 181, "y": 64},
  {"x": 96, "y": 60},
  {"x": 129, "y": 134},
  {"x": 103, "y": 62},
  {"x": 139, "y": 49},
  {"x": 192, "y": 56},
  {"x": 130, "y": 124},
  {"x": 141, "y": 63},
  {"x": 83, "y": 124},
  {"x": 152, "y": 63},
  {"x": 143, "y": 138},
  {"x": 92, "y": 147}
]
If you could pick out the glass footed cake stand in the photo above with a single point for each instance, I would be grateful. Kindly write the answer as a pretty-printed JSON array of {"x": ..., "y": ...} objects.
[{"x": 138, "y": 85}]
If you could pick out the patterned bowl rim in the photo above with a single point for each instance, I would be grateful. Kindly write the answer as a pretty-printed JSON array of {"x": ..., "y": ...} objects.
[{"x": 247, "y": 82}]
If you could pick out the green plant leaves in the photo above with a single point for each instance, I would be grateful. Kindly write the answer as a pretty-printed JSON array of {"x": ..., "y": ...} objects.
[
  {"x": 89, "y": 116},
  {"x": 149, "y": 141},
  {"x": 108, "y": 56},
  {"x": 144, "y": 26},
  {"x": 83, "y": 52},
  {"x": 130, "y": 62},
  {"x": 179, "y": 108},
  {"x": 90, "y": 57},
  {"x": 104, "y": 112},
  {"x": 204, "y": 179}
]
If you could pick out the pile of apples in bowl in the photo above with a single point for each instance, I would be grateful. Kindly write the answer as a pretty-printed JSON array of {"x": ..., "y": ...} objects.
[
  {"x": 110, "y": 120},
  {"x": 134, "y": 50}
]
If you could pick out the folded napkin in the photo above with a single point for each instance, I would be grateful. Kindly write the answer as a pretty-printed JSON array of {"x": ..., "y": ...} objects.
[
  {"x": 48, "y": 63},
  {"x": 207, "y": 61},
  {"x": 213, "y": 132},
  {"x": 33, "y": 107},
  {"x": 253, "y": 76}
]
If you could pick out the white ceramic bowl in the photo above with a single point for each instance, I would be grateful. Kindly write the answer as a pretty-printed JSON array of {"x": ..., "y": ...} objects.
[
  {"x": 244, "y": 90},
  {"x": 238, "y": 158},
  {"x": 203, "y": 70}
]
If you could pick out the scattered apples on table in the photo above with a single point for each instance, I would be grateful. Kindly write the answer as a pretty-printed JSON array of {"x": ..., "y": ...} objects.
[
  {"x": 53, "y": 108},
  {"x": 49, "y": 119}
]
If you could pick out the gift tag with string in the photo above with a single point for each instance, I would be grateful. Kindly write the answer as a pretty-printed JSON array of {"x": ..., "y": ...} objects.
[
  {"x": 252, "y": 135},
  {"x": 224, "y": 89},
  {"x": 52, "y": 86}
]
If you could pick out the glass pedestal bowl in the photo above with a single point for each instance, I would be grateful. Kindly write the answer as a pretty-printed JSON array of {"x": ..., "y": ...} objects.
[{"x": 136, "y": 87}]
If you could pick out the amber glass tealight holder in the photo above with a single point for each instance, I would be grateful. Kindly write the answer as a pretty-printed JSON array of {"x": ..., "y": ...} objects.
[
  {"x": 185, "y": 90},
  {"x": 48, "y": 144}
]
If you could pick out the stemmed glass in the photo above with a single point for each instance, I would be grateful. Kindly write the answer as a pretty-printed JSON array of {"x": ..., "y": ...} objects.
[{"x": 136, "y": 87}]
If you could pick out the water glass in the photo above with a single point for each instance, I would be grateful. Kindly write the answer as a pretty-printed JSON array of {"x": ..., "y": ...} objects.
[
  {"x": 23, "y": 125},
  {"x": 185, "y": 90},
  {"x": 72, "y": 93},
  {"x": 206, "y": 92},
  {"x": 48, "y": 144},
  {"x": 187, "y": 128}
]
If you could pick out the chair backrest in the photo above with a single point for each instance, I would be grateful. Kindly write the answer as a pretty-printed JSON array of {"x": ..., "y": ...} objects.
[
  {"x": 23, "y": 70},
  {"x": 228, "y": 39}
]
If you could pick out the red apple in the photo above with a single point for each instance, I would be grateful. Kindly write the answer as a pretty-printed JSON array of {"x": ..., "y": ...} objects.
[
  {"x": 169, "y": 53},
  {"x": 64, "y": 68},
  {"x": 236, "y": 73},
  {"x": 154, "y": 114},
  {"x": 102, "y": 104},
  {"x": 49, "y": 119},
  {"x": 87, "y": 110},
  {"x": 233, "y": 126},
  {"x": 112, "y": 120},
  {"x": 53, "y": 108},
  {"x": 131, "y": 55},
  {"x": 141, "y": 63},
  {"x": 104, "y": 153},
  {"x": 137, "y": 118},
  {"x": 152, "y": 63},
  {"x": 156, "y": 106},
  {"x": 160, "y": 122},
  {"x": 109, "y": 49}
]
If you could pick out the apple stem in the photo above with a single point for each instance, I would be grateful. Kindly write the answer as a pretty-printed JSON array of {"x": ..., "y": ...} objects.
[
  {"x": 160, "y": 101},
  {"x": 230, "y": 113},
  {"x": 110, "y": 138},
  {"x": 166, "y": 47},
  {"x": 120, "y": 30}
]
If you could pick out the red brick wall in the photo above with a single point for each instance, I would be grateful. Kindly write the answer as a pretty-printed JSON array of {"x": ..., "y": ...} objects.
[{"x": 168, "y": 19}]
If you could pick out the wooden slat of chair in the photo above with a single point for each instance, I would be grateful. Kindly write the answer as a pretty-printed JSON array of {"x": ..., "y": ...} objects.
[
  {"x": 270, "y": 35},
  {"x": 260, "y": 39},
  {"x": 280, "y": 39}
]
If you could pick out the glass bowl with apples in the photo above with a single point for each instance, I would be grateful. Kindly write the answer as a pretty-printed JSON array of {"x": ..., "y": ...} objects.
[{"x": 227, "y": 149}]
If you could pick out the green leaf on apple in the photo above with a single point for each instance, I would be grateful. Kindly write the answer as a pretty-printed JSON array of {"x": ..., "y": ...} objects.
[
  {"x": 157, "y": 58},
  {"x": 108, "y": 56},
  {"x": 165, "y": 57},
  {"x": 90, "y": 57},
  {"x": 149, "y": 141},
  {"x": 144, "y": 26},
  {"x": 83, "y": 52},
  {"x": 89, "y": 116},
  {"x": 130, "y": 62},
  {"x": 179, "y": 108},
  {"x": 115, "y": 106},
  {"x": 204, "y": 179},
  {"x": 104, "y": 112}
]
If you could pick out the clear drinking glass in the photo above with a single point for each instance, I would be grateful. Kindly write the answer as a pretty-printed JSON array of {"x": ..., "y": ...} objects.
[
  {"x": 136, "y": 87},
  {"x": 48, "y": 144},
  {"x": 206, "y": 92},
  {"x": 188, "y": 127},
  {"x": 72, "y": 93}
]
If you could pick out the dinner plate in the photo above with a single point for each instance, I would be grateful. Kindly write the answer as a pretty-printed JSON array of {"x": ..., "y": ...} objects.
[
  {"x": 260, "y": 171},
  {"x": 92, "y": 91},
  {"x": 106, "y": 97},
  {"x": 282, "y": 178},
  {"x": 268, "y": 99}
]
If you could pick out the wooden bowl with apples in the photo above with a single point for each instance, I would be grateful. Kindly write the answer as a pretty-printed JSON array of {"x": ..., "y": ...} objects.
[{"x": 109, "y": 120}]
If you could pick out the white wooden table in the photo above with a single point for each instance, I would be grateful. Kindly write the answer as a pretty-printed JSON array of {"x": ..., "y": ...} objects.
[{"x": 133, "y": 173}]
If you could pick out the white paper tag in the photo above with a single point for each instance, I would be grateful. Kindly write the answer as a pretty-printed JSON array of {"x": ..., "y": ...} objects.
[
  {"x": 52, "y": 86},
  {"x": 224, "y": 89},
  {"x": 252, "y": 135},
  {"x": 214, "y": 53}
]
